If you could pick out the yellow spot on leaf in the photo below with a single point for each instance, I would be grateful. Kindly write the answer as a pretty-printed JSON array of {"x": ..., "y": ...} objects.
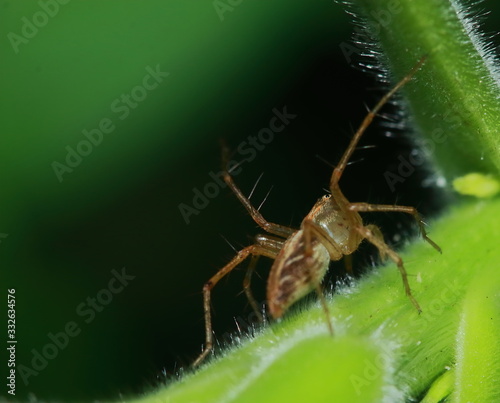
[{"x": 476, "y": 184}]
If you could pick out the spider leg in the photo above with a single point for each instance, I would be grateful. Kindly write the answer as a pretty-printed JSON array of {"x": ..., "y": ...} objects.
[
  {"x": 254, "y": 250},
  {"x": 384, "y": 249},
  {"x": 369, "y": 208}
]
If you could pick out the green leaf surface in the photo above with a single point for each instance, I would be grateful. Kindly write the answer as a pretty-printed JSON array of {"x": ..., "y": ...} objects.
[
  {"x": 382, "y": 348},
  {"x": 441, "y": 388},
  {"x": 478, "y": 346}
]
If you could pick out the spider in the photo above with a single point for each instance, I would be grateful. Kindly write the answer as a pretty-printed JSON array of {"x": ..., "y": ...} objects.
[{"x": 332, "y": 229}]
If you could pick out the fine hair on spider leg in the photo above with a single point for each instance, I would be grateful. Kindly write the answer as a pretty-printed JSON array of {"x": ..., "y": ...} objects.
[{"x": 332, "y": 230}]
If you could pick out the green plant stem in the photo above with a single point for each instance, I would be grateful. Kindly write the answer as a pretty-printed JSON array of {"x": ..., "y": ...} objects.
[{"x": 454, "y": 100}]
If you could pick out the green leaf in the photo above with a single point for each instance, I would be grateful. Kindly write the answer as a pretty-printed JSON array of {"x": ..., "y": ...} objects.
[
  {"x": 478, "y": 346},
  {"x": 383, "y": 348},
  {"x": 441, "y": 388}
]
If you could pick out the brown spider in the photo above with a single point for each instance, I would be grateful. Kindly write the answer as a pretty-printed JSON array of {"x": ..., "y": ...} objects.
[{"x": 332, "y": 229}]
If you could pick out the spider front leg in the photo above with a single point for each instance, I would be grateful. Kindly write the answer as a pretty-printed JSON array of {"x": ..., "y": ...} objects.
[
  {"x": 368, "y": 208},
  {"x": 375, "y": 238},
  {"x": 272, "y": 228},
  {"x": 252, "y": 250}
]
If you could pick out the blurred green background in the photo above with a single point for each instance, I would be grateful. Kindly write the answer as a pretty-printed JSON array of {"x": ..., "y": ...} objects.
[{"x": 67, "y": 65}]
